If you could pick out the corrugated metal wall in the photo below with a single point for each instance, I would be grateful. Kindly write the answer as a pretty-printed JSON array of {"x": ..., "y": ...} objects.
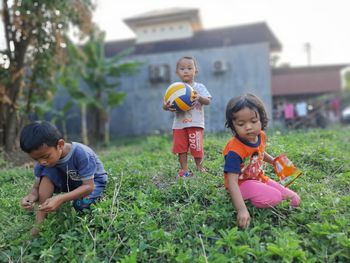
[{"x": 141, "y": 113}]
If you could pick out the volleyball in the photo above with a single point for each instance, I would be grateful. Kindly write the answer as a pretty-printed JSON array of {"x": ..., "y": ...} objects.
[{"x": 180, "y": 95}]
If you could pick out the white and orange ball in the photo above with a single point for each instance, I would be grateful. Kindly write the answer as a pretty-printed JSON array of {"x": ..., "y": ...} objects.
[{"x": 180, "y": 95}]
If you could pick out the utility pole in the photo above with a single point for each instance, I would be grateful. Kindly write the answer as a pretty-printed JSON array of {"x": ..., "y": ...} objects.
[{"x": 307, "y": 47}]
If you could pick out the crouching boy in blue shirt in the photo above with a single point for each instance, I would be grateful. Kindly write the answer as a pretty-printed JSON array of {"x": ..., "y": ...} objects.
[{"x": 72, "y": 169}]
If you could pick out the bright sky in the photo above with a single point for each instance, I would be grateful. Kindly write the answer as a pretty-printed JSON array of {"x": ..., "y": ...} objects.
[{"x": 325, "y": 24}]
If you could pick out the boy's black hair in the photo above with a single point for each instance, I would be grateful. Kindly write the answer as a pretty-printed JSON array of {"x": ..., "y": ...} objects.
[
  {"x": 37, "y": 134},
  {"x": 245, "y": 101},
  {"x": 190, "y": 58}
]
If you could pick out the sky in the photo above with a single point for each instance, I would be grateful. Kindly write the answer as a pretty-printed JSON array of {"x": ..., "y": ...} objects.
[{"x": 324, "y": 24}]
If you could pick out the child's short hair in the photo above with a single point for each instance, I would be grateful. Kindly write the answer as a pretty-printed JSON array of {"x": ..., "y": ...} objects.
[
  {"x": 245, "y": 101},
  {"x": 190, "y": 58},
  {"x": 37, "y": 134}
]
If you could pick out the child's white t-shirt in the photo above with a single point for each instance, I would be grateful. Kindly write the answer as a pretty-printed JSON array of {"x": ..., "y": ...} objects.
[{"x": 195, "y": 116}]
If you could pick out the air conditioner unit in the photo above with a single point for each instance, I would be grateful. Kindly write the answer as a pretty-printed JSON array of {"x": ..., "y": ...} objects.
[
  {"x": 219, "y": 66},
  {"x": 159, "y": 73}
]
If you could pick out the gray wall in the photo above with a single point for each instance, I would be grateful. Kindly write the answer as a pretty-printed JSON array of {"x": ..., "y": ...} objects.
[{"x": 141, "y": 112}]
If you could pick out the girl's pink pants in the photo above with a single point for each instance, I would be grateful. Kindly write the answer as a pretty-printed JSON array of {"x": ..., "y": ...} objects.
[{"x": 264, "y": 195}]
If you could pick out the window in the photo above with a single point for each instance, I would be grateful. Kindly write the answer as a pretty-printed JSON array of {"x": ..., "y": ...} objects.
[{"x": 159, "y": 73}]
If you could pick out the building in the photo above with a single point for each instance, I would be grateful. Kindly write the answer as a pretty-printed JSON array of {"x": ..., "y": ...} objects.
[
  {"x": 308, "y": 91},
  {"x": 306, "y": 82},
  {"x": 232, "y": 60}
]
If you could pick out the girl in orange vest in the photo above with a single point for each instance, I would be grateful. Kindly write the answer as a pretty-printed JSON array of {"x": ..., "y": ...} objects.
[{"x": 244, "y": 156}]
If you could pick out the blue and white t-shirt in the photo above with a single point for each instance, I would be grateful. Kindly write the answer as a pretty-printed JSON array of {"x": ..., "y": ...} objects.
[
  {"x": 81, "y": 163},
  {"x": 195, "y": 116}
]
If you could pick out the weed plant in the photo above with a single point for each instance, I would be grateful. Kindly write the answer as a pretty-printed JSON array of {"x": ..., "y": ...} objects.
[{"x": 147, "y": 215}]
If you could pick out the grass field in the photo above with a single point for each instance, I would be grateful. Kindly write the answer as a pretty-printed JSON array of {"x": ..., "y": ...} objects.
[{"x": 149, "y": 216}]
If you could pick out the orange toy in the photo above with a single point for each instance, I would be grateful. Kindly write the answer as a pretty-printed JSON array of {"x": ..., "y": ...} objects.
[{"x": 285, "y": 170}]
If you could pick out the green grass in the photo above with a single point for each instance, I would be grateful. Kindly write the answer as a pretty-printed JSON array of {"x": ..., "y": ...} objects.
[{"x": 149, "y": 216}]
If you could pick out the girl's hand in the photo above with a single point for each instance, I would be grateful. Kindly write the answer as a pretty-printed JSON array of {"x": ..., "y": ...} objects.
[
  {"x": 243, "y": 218},
  {"x": 51, "y": 204},
  {"x": 167, "y": 106}
]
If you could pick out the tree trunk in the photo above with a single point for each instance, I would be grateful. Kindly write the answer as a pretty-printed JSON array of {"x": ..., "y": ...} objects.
[
  {"x": 2, "y": 124},
  {"x": 84, "y": 130},
  {"x": 11, "y": 111},
  {"x": 100, "y": 123},
  {"x": 9, "y": 123},
  {"x": 106, "y": 136},
  {"x": 11, "y": 131}
]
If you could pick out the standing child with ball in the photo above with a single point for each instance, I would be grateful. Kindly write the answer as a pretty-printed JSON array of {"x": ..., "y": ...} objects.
[{"x": 188, "y": 125}]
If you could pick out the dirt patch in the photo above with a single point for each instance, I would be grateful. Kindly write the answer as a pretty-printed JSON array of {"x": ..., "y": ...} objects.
[{"x": 16, "y": 158}]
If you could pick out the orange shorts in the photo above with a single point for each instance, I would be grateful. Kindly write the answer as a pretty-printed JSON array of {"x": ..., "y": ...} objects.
[{"x": 188, "y": 138}]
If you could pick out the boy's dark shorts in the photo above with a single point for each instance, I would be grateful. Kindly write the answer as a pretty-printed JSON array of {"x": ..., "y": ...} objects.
[{"x": 64, "y": 183}]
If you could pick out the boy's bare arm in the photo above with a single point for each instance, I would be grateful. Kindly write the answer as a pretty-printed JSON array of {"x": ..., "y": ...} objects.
[
  {"x": 53, "y": 203},
  {"x": 31, "y": 197},
  {"x": 204, "y": 100},
  {"x": 200, "y": 99},
  {"x": 34, "y": 193}
]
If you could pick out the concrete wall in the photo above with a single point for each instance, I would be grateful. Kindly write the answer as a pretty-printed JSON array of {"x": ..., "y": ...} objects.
[
  {"x": 164, "y": 31},
  {"x": 141, "y": 113}
]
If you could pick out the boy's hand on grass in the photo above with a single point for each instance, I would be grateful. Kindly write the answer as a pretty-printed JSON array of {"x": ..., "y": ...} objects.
[
  {"x": 243, "y": 218},
  {"x": 28, "y": 202},
  {"x": 51, "y": 204}
]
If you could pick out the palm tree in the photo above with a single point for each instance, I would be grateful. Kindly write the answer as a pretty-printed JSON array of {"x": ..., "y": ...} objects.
[{"x": 95, "y": 80}]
